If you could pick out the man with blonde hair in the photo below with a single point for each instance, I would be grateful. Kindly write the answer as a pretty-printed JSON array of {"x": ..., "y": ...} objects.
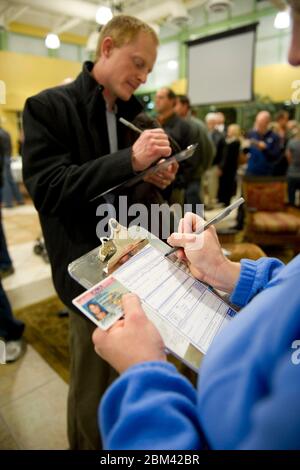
[
  {"x": 124, "y": 29},
  {"x": 75, "y": 148}
]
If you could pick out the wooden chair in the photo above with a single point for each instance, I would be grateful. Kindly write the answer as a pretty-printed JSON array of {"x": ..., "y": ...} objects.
[{"x": 268, "y": 220}]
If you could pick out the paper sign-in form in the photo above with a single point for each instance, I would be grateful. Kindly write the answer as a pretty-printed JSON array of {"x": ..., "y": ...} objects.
[{"x": 186, "y": 303}]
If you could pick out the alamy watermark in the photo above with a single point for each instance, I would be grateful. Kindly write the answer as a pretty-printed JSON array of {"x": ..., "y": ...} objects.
[
  {"x": 296, "y": 354},
  {"x": 158, "y": 220}
]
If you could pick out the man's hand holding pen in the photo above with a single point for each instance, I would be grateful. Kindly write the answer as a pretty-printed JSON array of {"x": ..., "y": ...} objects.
[
  {"x": 149, "y": 147},
  {"x": 152, "y": 144},
  {"x": 201, "y": 250}
]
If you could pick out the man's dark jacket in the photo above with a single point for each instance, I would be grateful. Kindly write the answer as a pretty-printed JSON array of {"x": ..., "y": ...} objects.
[
  {"x": 180, "y": 131},
  {"x": 67, "y": 162}
]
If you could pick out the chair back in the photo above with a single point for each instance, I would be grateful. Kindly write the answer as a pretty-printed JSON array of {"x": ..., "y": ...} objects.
[{"x": 265, "y": 193}]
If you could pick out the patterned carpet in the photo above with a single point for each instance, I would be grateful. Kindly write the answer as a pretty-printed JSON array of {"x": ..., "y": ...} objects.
[{"x": 48, "y": 333}]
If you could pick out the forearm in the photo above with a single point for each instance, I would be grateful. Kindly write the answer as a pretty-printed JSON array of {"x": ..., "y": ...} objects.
[
  {"x": 150, "y": 406},
  {"x": 227, "y": 276},
  {"x": 61, "y": 185}
]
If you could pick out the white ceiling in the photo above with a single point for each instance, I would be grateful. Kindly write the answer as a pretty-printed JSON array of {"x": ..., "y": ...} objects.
[
  {"x": 77, "y": 16},
  {"x": 56, "y": 13}
]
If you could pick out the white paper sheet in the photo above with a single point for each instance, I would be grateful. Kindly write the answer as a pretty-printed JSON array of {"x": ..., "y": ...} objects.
[{"x": 186, "y": 304}]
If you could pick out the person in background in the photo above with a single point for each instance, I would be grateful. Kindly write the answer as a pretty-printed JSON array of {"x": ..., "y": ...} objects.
[
  {"x": 175, "y": 126},
  {"x": 212, "y": 174},
  {"x": 211, "y": 122},
  {"x": 274, "y": 127},
  {"x": 204, "y": 154},
  {"x": 75, "y": 148},
  {"x": 229, "y": 165},
  {"x": 180, "y": 131},
  {"x": 11, "y": 329},
  {"x": 10, "y": 190},
  {"x": 264, "y": 147},
  {"x": 6, "y": 265},
  {"x": 220, "y": 123},
  {"x": 248, "y": 389},
  {"x": 293, "y": 172},
  {"x": 292, "y": 128},
  {"x": 282, "y": 119}
]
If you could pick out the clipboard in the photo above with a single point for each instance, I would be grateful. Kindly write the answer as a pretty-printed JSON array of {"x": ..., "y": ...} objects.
[
  {"x": 178, "y": 157},
  {"x": 96, "y": 274}
]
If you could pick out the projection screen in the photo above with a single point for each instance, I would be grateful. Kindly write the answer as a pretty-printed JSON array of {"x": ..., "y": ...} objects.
[{"x": 220, "y": 67}]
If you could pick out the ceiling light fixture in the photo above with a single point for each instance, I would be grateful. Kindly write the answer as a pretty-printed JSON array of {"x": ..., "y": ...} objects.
[
  {"x": 172, "y": 64},
  {"x": 282, "y": 20},
  {"x": 52, "y": 41},
  {"x": 103, "y": 15}
]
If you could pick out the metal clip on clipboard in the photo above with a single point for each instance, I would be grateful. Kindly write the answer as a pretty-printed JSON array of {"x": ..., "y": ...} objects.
[
  {"x": 97, "y": 264},
  {"x": 119, "y": 245}
]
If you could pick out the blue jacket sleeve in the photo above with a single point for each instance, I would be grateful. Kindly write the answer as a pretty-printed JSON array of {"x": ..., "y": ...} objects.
[
  {"x": 151, "y": 406},
  {"x": 254, "y": 277}
]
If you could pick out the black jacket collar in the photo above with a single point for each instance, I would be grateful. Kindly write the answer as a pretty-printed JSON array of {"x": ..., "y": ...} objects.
[{"x": 90, "y": 93}]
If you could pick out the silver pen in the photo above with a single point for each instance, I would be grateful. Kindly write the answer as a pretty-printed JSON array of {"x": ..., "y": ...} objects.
[
  {"x": 130, "y": 125},
  {"x": 224, "y": 213}
]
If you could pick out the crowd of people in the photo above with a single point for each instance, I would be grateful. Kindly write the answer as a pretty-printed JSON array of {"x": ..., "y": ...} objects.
[{"x": 270, "y": 148}]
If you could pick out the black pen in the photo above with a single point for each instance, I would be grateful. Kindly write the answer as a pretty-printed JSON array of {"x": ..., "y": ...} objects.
[
  {"x": 224, "y": 213},
  {"x": 177, "y": 148}
]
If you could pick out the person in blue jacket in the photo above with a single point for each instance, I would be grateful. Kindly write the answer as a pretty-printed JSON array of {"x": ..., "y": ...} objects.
[
  {"x": 264, "y": 147},
  {"x": 249, "y": 381}
]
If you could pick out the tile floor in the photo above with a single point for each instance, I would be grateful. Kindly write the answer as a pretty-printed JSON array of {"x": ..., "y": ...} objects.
[
  {"x": 31, "y": 281},
  {"x": 32, "y": 405},
  {"x": 32, "y": 395}
]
